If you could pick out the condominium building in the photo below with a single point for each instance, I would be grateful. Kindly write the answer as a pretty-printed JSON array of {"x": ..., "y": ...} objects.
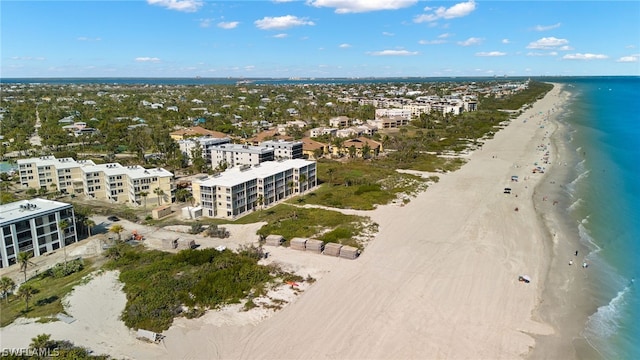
[
  {"x": 231, "y": 155},
  {"x": 206, "y": 143},
  {"x": 284, "y": 149},
  {"x": 128, "y": 184},
  {"x": 34, "y": 226},
  {"x": 112, "y": 182},
  {"x": 240, "y": 190},
  {"x": 48, "y": 172}
]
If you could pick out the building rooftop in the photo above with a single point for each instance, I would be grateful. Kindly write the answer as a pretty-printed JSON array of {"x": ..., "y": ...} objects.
[
  {"x": 27, "y": 208},
  {"x": 240, "y": 175},
  {"x": 243, "y": 148}
]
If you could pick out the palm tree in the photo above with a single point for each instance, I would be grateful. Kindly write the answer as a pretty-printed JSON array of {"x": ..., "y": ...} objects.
[
  {"x": 330, "y": 172},
  {"x": 23, "y": 260},
  {"x": 89, "y": 224},
  {"x": 6, "y": 286},
  {"x": 160, "y": 194},
  {"x": 302, "y": 181},
  {"x": 63, "y": 225},
  {"x": 26, "y": 292},
  {"x": 366, "y": 149},
  {"x": 144, "y": 195},
  {"x": 261, "y": 201},
  {"x": 117, "y": 229}
]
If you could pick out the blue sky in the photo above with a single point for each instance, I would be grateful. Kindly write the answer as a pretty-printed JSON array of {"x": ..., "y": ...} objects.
[{"x": 318, "y": 38}]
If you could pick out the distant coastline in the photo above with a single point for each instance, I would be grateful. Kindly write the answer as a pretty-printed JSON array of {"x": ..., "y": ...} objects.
[{"x": 275, "y": 81}]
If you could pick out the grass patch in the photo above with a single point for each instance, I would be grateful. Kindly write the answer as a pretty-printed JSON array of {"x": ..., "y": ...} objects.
[
  {"x": 359, "y": 184},
  {"x": 292, "y": 221},
  {"x": 161, "y": 286},
  {"x": 48, "y": 301}
]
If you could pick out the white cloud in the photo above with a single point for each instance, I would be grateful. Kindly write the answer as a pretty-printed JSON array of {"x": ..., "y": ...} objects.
[
  {"x": 205, "y": 23},
  {"x": 179, "y": 5},
  {"x": 456, "y": 11},
  {"x": 360, "y": 6},
  {"x": 393, "y": 53},
  {"x": 228, "y": 25},
  {"x": 630, "y": 58},
  {"x": 470, "y": 41},
  {"x": 546, "y": 27},
  {"x": 506, "y": 41},
  {"x": 491, "y": 53},
  {"x": 388, "y": 33},
  {"x": 147, "y": 59},
  {"x": 579, "y": 56},
  {"x": 444, "y": 35},
  {"x": 630, "y": 46},
  {"x": 344, "y": 46},
  {"x": 431, "y": 42},
  {"x": 281, "y": 22},
  {"x": 547, "y": 43},
  {"x": 280, "y": 36}
]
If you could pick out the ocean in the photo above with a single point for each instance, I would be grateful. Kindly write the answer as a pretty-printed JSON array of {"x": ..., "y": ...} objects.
[{"x": 604, "y": 205}]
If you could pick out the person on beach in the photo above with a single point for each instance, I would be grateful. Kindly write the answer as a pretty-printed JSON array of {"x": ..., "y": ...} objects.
[
  {"x": 584, "y": 265},
  {"x": 576, "y": 252},
  {"x": 570, "y": 262}
]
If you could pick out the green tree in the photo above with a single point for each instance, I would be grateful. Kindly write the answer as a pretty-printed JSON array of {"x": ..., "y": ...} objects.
[
  {"x": 7, "y": 285},
  {"x": 117, "y": 229},
  {"x": 24, "y": 261},
  {"x": 160, "y": 193},
  {"x": 26, "y": 292},
  {"x": 366, "y": 151},
  {"x": 182, "y": 195},
  {"x": 42, "y": 341},
  {"x": 89, "y": 224},
  {"x": 352, "y": 151},
  {"x": 144, "y": 195}
]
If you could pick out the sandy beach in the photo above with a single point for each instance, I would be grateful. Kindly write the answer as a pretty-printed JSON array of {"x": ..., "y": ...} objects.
[{"x": 440, "y": 279}]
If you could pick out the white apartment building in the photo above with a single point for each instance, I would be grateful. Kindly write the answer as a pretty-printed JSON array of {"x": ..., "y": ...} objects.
[
  {"x": 206, "y": 143},
  {"x": 402, "y": 113},
  {"x": 112, "y": 182},
  {"x": 231, "y": 155},
  {"x": 284, "y": 149},
  {"x": 33, "y": 226},
  {"x": 240, "y": 190},
  {"x": 319, "y": 131}
]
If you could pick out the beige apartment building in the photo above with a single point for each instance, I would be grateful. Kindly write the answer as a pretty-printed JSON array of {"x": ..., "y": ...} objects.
[
  {"x": 109, "y": 182},
  {"x": 240, "y": 190}
]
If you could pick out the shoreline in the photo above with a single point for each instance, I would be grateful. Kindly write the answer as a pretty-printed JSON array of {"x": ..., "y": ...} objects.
[
  {"x": 442, "y": 281},
  {"x": 567, "y": 299}
]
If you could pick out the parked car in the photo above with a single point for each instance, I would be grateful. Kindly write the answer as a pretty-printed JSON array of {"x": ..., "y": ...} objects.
[{"x": 113, "y": 218}]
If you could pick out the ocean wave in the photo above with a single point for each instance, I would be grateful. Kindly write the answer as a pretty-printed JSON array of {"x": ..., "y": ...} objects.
[
  {"x": 586, "y": 238},
  {"x": 605, "y": 323},
  {"x": 575, "y": 205},
  {"x": 571, "y": 187}
]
